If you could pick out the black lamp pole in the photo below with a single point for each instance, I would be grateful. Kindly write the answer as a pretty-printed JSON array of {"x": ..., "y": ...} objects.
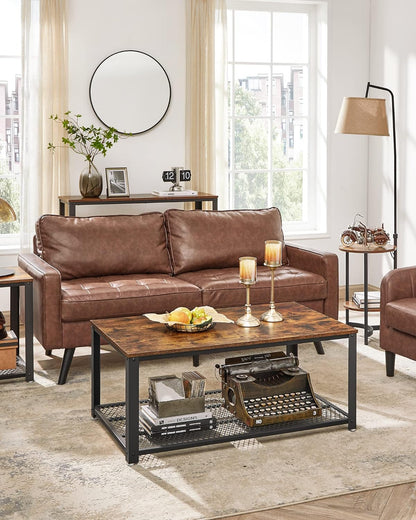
[{"x": 395, "y": 235}]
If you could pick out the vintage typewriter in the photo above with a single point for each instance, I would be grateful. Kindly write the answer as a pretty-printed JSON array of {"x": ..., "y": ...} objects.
[{"x": 267, "y": 388}]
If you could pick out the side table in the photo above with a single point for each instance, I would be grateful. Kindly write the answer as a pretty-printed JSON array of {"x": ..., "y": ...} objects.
[
  {"x": 349, "y": 304},
  {"x": 20, "y": 279},
  {"x": 71, "y": 202}
]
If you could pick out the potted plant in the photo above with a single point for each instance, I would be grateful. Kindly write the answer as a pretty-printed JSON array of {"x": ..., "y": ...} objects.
[{"x": 88, "y": 141}]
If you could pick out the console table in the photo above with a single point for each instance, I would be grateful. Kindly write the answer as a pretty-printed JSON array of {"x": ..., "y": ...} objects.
[{"x": 71, "y": 202}]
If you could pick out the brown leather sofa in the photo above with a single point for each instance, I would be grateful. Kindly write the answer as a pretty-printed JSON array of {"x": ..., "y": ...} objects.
[
  {"x": 398, "y": 315},
  {"x": 86, "y": 268}
]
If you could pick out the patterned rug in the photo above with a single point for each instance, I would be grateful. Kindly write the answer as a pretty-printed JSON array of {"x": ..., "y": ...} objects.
[{"x": 57, "y": 462}]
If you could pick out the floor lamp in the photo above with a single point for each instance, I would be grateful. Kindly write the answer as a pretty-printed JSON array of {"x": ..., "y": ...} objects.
[{"x": 367, "y": 116}]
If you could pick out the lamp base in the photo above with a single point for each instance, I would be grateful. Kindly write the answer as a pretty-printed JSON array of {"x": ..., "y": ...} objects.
[
  {"x": 271, "y": 316},
  {"x": 248, "y": 320},
  {"x": 5, "y": 271}
]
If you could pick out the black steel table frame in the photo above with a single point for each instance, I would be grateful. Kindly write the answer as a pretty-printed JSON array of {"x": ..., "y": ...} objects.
[
  {"x": 131, "y": 443},
  {"x": 27, "y": 365},
  {"x": 72, "y": 204},
  {"x": 368, "y": 329}
]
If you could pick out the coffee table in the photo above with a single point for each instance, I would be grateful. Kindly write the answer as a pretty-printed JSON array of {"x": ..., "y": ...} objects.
[{"x": 138, "y": 339}]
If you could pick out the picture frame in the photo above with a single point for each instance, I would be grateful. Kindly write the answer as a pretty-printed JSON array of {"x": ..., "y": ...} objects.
[{"x": 117, "y": 182}]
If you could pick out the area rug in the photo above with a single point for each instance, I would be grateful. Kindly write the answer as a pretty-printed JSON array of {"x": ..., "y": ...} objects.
[{"x": 57, "y": 462}]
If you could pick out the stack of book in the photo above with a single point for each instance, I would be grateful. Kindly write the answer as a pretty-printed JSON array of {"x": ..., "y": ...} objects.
[
  {"x": 154, "y": 425},
  {"x": 373, "y": 299}
]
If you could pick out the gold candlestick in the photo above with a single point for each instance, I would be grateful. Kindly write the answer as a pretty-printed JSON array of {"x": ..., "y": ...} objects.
[
  {"x": 248, "y": 273},
  {"x": 272, "y": 315},
  {"x": 272, "y": 259}
]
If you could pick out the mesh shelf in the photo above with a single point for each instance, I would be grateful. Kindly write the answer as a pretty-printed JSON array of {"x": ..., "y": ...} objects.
[
  {"x": 19, "y": 371},
  {"x": 228, "y": 427}
]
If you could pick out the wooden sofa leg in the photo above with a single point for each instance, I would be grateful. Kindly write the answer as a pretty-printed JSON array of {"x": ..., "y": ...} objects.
[
  {"x": 319, "y": 347},
  {"x": 390, "y": 358},
  {"x": 195, "y": 359},
  {"x": 66, "y": 364}
]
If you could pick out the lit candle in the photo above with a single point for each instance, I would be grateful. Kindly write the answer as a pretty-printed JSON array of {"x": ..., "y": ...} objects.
[
  {"x": 273, "y": 252},
  {"x": 248, "y": 268}
]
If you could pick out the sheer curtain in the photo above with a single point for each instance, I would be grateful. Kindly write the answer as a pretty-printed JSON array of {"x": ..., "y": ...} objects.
[
  {"x": 44, "y": 175},
  {"x": 206, "y": 95}
]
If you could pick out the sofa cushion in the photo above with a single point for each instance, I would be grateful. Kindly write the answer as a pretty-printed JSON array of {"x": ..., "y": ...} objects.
[
  {"x": 216, "y": 239},
  {"x": 221, "y": 287},
  {"x": 401, "y": 315},
  {"x": 97, "y": 246},
  {"x": 129, "y": 295}
]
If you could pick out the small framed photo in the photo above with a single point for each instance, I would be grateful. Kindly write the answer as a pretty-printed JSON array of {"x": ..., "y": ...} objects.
[{"x": 117, "y": 182}]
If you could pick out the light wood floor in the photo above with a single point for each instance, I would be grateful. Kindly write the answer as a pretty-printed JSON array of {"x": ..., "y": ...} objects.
[{"x": 390, "y": 503}]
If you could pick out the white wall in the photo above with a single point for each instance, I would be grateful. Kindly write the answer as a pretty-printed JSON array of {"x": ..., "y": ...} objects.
[{"x": 393, "y": 65}]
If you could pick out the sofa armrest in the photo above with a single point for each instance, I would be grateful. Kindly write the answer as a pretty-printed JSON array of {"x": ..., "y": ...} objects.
[
  {"x": 46, "y": 299},
  {"x": 322, "y": 263}
]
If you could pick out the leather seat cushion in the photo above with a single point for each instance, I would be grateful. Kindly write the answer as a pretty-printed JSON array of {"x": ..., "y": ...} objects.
[
  {"x": 216, "y": 239},
  {"x": 129, "y": 295},
  {"x": 401, "y": 315},
  {"x": 221, "y": 287}
]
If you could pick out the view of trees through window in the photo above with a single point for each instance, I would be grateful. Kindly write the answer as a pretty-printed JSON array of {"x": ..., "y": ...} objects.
[
  {"x": 10, "y": 109},
  {"x": 268, "y": 110}
]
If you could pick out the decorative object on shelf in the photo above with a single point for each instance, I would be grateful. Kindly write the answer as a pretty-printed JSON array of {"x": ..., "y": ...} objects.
[
  {"x": 7, "y": 214},
  {"x": 367, "y": 116},
  {"x": 272, "y": 259},
  {"x": 88, "y": 141},
  {"x": 360, "y": 234},
  {"x": 176, "y": 175},
  {"x": 248, "y": 276},
  {"x": 210, "y": 317},
  {"x": 117, "y": 182}
]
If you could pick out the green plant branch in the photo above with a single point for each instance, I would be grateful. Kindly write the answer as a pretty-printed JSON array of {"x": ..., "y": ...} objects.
[{"x": 88, "y": 141}]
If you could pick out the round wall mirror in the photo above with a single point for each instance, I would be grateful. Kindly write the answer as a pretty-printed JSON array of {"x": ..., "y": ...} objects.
[{"x": 130, "y": 91}]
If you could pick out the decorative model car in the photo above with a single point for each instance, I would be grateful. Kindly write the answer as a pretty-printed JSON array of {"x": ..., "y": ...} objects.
[{"x": 359, "y": 233}]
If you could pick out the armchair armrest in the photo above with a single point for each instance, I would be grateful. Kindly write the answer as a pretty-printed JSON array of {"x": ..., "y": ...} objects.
[
  {"x": 46, "y": 298},
  {"x": 322, "y": 263},
  {"x": 398, "y": 284}
]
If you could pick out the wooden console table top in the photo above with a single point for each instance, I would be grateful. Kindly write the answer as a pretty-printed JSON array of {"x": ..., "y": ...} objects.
[
  {"x": 71, "y": 201},
  {"x": 139, "y": 337}
]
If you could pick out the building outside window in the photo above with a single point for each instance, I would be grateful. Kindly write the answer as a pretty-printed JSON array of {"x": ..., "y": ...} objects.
[
  {"x": 272, "y": 145},
  {"x": 10, "y": 96}
]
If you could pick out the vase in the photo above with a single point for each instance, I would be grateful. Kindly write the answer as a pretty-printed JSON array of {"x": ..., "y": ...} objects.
[{"x": 90, "y": 181}]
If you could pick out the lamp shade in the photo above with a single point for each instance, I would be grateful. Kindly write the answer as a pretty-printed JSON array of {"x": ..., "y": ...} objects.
[
  {"x": 7, "y": 213},
  {"x": 362, "y": 116}
]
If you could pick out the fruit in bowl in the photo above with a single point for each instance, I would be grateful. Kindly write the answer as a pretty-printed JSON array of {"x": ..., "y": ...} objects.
[
  {"x": 200, "y": 317},
  {"x": 181, "y": 315}
]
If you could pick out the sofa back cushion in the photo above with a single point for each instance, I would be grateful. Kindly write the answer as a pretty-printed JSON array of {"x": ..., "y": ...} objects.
[
  {"x": 98, "y": 246},
  {"x": 216, "y": 239}
]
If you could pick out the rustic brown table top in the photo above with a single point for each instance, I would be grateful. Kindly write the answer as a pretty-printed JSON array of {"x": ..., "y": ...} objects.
[
  {"x": 19, "y": 276},
  {"x": 137, "y": 336}
]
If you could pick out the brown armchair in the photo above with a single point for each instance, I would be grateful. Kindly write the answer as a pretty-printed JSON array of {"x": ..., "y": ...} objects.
[{"x": 398, "y": 315}]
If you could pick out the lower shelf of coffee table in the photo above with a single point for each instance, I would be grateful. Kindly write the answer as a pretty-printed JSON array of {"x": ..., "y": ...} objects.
[{"x": 228, "y": 427}]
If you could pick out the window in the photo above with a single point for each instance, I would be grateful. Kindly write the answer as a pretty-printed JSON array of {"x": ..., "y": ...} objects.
[
  {"x": 10, "y": 101},
  {"x": 273, "y": 155}
]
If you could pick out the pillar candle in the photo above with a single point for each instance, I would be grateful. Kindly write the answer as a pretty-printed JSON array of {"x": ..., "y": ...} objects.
[
  {"x": 273, "y": 252},
  {"x": 248, "y": 268}
]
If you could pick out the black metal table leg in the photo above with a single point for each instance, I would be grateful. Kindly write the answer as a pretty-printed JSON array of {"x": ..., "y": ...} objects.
[
  {"x": 292, "y": 349},
  {"x": 132, "y": 410},
  {"x": 347, "y": 285},
  {"x": 28, "y": 331},
  {"x": 367, "y": 332},
  {"x": 352, "y": 382},
  {"x": 95, "y": 372},
  {"x": 14, "y": 309}
]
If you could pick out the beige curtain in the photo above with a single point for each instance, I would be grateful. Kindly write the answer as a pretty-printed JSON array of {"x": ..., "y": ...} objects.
[
  {"x": 206, "y": 95},
  {"x": 45, "y": 78}
]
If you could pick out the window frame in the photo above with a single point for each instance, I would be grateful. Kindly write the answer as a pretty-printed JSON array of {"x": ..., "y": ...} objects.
[{"x": 314, "y": 200}]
